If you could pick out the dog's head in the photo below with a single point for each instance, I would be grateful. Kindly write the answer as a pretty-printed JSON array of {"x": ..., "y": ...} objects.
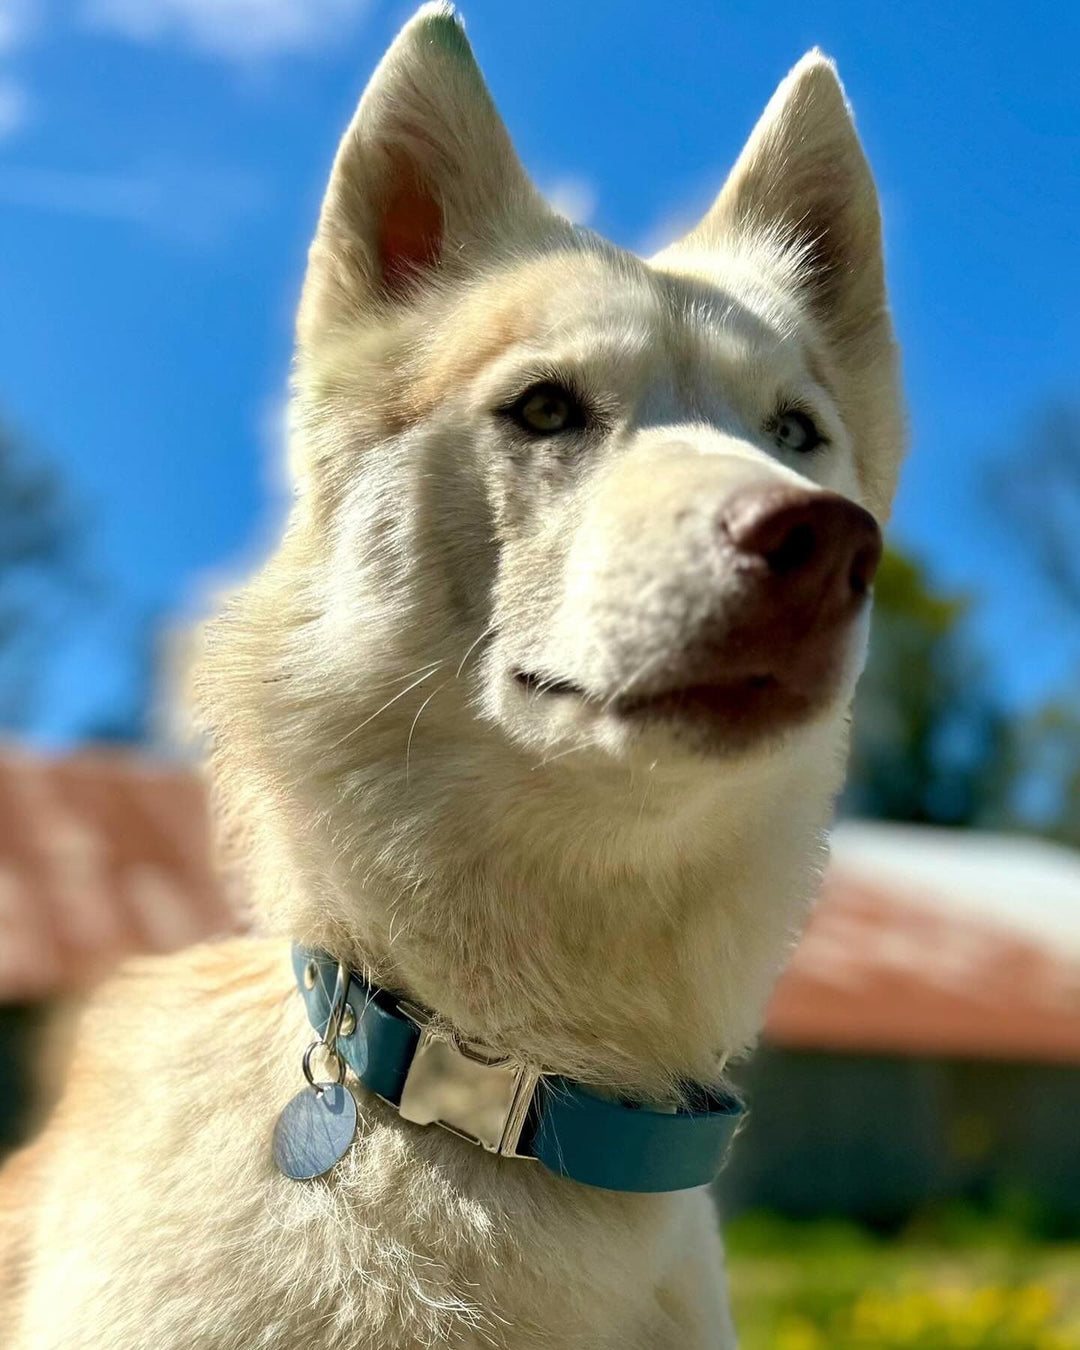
[
  {"x": 552, "y": 498},
  {"x": 646, "y": 485}
]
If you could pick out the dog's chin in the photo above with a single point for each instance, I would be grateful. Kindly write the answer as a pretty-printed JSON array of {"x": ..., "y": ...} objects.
[
  {"x": 724, "y": 719},
  {"x": 728, "y": 719}
]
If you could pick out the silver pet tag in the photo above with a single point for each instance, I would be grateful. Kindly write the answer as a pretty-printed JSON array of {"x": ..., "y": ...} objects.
[
  {"x": 314, "y": 1131},
  {"x": 316, "y": 1128}
]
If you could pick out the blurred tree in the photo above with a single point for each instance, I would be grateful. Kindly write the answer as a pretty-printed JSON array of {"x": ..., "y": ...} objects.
[
  {"x": 930, "y": 743},
  {"x": 42, "y": 571},
  {"x": 1036, "y": 492},
  {"x": 129, "y": 716},
  {"x": 40, "y": 550},
  {"x": 1047, "y": 776}
]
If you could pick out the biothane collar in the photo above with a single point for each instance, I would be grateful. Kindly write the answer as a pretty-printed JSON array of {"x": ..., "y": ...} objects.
[{"x": 431, "y": 1077}]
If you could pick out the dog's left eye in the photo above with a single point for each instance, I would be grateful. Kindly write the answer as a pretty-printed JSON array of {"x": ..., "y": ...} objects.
[
  {"x": 794, "y": 430},
  {"x": 546, "y": 409}
]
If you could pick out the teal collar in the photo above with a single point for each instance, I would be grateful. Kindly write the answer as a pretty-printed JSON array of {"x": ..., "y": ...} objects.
[{"x": 431, "y": 1077}]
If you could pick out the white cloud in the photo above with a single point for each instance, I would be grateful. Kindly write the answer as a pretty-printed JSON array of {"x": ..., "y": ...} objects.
[
  {"x": 574, "y": 198},
  {"x": 14, "y": 105},
  {"x": 193, "y": 206},
  {"x": 666, "y": 231},
  {"x": 238, "y": 30},
  {"x": 15, "y": 21},
  {"x": 674, "y": 223}
]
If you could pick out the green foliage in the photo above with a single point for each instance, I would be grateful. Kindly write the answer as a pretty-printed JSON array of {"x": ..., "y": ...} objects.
[
  {"x": 1047, "y": 743},
  {"x": 930, "y": 744},
  {"x": 902, "y": 591},
  {"x": 1035, "y": 492}
]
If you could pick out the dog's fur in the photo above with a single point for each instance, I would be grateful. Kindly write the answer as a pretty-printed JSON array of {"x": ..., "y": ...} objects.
[{"x": 607, "y": 897}]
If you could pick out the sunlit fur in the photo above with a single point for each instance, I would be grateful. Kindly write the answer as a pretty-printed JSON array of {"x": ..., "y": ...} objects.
[{"x": 607, "y": 901}]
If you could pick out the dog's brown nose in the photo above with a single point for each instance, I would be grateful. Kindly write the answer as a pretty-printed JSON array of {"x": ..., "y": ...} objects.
[
  {"x": 778, "y": 642},
  {"x": 819, "y": 543}
]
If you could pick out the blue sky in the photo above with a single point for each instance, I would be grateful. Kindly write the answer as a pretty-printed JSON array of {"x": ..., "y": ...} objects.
[{"x": 161, "y": 162}]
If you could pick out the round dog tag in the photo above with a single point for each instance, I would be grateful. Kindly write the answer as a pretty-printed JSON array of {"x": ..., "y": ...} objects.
[{"x": 314, "y": 1131}]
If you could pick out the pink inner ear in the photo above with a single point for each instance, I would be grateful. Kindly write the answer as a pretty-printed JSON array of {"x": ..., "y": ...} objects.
[{"x": 410, "y": 232}]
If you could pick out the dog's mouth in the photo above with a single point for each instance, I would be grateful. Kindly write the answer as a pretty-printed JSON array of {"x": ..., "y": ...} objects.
[
  {"x": 728, "y": 716},
  {"x": 741, "y": 707},
  {"x": 547, "y": 684},
  {"x": 687, "y": 695}
]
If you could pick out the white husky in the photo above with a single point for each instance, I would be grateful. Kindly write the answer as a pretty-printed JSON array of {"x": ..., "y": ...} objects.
[{"x": 535, "y": 717}]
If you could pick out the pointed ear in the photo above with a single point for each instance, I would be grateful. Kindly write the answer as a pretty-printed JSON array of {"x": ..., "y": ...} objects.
[
  {"x": 803, "y": 182},
  {"x": 425, "y": 181}
]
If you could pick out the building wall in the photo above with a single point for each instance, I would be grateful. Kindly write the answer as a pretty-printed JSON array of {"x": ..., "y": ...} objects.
[
  {"x": 19, "y": 1028},
  {"x": 877, "y": 1138}
]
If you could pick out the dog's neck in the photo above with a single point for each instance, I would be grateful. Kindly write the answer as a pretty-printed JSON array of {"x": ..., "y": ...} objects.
[{"x": 633, "y": 950}]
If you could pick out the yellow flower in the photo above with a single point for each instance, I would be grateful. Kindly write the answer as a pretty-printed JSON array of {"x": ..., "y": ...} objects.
[
  {"x": 936, "y": 1317},
  {"x": 796, "y": 1333},
  {"x": 1032, "y": 1307},
  {"x": 988, "y": 1307}
]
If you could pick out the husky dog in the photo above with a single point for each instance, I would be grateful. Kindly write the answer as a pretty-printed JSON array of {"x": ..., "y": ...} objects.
[{"x": 535, "y": 717}]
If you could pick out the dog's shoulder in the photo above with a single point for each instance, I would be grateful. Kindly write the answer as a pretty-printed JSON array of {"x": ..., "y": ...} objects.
[
  {"x": 171, "y": 1070},
  {"x": 157, "y": 1156},
  {"x": 162, "y": 1015},
  {"x": 156, "y": 1021}
]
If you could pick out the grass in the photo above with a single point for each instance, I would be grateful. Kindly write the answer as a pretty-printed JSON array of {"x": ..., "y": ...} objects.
[{"x": 958, "y": 1283}]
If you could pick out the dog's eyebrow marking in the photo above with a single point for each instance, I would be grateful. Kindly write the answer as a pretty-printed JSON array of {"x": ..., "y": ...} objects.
[
  {"x": 486, "y": 332},
  {"x": 819, "y": 370}
]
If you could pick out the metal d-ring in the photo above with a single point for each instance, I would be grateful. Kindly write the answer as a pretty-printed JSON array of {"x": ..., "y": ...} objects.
[
  {"x": 320, "y": 1044},
  {"x": 328, "y": 1040}
]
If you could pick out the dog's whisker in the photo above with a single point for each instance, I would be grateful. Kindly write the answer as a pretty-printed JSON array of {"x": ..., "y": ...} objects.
[
  {"x": 485, "y": 633},
  {"x": 644, "y": 798},
  {"x": 412, "y": 728},
  {"x": 646, "y": 666},
  {"x": 378, "y": 711},
  {"x": 398, "y": 679},
  {"x": 562, "y": 754}
]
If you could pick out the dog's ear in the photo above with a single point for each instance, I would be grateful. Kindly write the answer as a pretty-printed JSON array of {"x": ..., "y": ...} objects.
[
  {"x": 803, "y": 182},
  {"x": 425, "y": 181}
]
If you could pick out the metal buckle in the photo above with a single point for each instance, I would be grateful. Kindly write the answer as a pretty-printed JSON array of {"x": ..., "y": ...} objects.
[{"x": 462, "y": 1087}]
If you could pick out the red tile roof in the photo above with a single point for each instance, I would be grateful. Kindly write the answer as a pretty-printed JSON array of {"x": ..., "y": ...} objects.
[
  {"x": 101, "y": 855},
  {"x": 106, "y": 854},
  {"x": 881, "y": 971}
]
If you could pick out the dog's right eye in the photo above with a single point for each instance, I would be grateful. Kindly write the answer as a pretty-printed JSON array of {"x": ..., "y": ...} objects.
[{"x": 546, "y": 409}]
